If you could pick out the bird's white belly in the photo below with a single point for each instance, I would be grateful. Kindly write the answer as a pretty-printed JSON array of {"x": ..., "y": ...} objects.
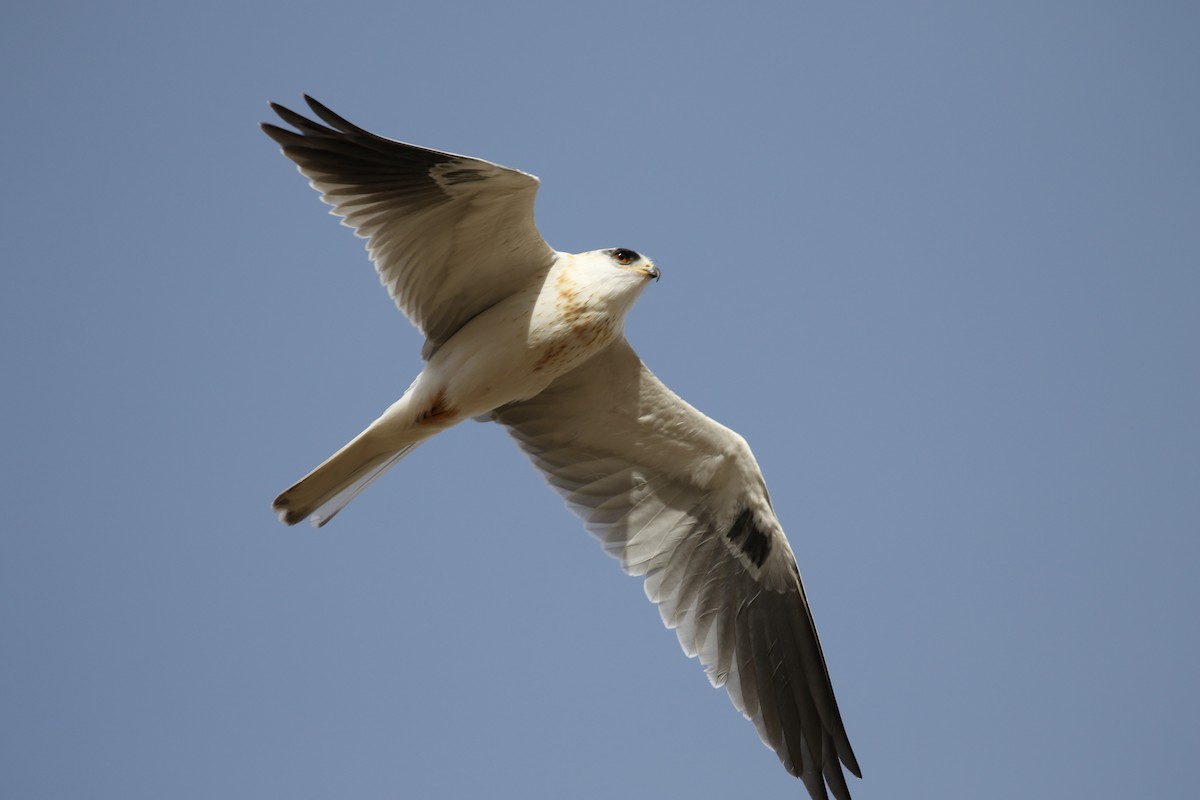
[{"x": 515, "y": 349}]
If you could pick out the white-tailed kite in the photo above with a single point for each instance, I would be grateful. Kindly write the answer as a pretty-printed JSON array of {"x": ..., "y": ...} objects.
[{"x": 532, "y": 338}]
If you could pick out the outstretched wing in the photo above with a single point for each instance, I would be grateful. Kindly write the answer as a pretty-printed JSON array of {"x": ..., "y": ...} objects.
[
  {"x": 450, "y": 235},
  {"x": 679, "y": 499}
]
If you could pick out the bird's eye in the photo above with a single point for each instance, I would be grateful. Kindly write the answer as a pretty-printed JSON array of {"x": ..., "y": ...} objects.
[{"x": 624, "y": 257}]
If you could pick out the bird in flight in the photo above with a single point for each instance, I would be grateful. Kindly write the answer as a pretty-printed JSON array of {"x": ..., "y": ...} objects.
[{"x": 531, "y": 338}]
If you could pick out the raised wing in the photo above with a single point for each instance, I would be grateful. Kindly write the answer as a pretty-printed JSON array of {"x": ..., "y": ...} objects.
[
  {"x": 679, "y": 499},
  {"x": 450, "y": 235}
]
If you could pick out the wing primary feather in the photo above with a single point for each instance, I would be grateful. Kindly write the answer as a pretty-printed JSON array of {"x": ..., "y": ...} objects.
[
  {"x": 820, "y": 690},
  {"x": 791, "y": 674},
  {"x": 761, "y": 647},
  {"x": 298, "y": 121},
  {"x": 832, "y": 771},
  {"x": 340, "y": 123}
]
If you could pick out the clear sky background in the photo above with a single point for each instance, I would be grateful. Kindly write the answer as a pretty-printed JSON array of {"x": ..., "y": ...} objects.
[{"x": 938, "y": 262}]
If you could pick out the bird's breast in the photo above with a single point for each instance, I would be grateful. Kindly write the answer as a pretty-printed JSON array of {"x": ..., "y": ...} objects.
[
  {"x": 516, "y": 348},
  {"x": 574, "y": 325}
]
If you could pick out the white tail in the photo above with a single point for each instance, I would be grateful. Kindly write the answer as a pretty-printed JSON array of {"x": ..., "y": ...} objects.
[{"x": 326, "y": 490}]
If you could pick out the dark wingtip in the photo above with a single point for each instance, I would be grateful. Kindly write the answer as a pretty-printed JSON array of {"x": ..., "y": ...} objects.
[
  {"x": 300, "y": 122},
  {"x": 282, "y": 111},
  {"x": 845, "y": 753},
  {"x": 322, "y": 111},
  {"x": 339, "y": 122},
  {"x": 281, "y": 136},
  {"x": 852, "y": 764}
]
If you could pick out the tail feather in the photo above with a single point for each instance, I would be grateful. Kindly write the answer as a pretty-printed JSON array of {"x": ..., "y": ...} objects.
[{"x": 326, "y": 490}]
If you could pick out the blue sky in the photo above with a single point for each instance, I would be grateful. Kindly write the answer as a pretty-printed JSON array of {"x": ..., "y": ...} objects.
[{"x": 938, "y": 262}]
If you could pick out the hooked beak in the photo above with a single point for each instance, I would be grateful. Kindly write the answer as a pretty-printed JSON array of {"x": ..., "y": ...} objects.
[{"x": 651, "y": 271}]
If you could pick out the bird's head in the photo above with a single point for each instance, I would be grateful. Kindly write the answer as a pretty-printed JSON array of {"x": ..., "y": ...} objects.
[{"x": 614, "y": 276}]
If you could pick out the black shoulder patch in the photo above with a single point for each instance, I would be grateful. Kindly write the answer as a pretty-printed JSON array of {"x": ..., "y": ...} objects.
[{"x": 755, "y": 544}]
